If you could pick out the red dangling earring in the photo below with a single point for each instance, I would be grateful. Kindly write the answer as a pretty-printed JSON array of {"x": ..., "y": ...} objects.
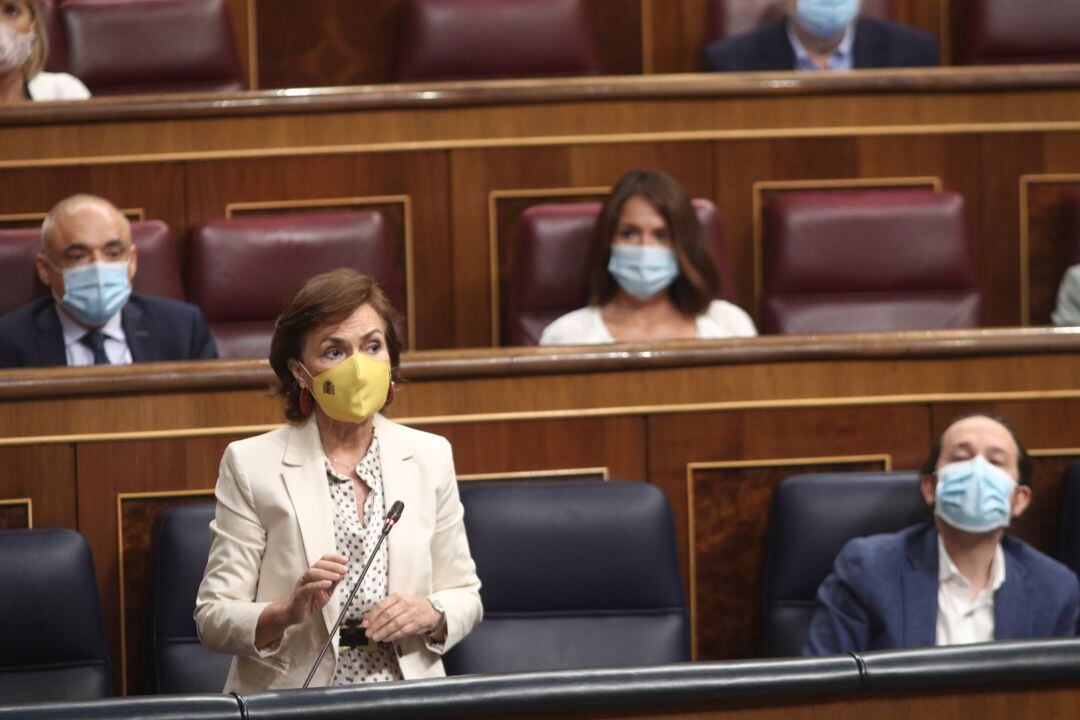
[
  {"x": 389, "y": 395},
  {"x": 305, "y": 402}
]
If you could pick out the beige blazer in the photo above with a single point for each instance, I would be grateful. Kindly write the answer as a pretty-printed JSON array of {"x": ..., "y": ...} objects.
[{"x": 275, "y": 518}]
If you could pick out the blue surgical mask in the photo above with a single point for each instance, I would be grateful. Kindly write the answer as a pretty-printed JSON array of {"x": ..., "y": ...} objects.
[
  {"x": 95, "y": 292},
  {"x": 974, "y": 495},
  {"x": 825, "y": 18},
  {"x": 643, "y": 270}
]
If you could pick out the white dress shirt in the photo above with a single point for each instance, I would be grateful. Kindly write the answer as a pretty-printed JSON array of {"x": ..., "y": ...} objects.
[
  {"x": 585, "y": 326},
  {"x": 962, "y": 619},
  {"x": 842, "y": 58},
  {"x": 355, "y": 538},
  {"x": 56, "y": 86},
  {"x": 78, "y": 354}
]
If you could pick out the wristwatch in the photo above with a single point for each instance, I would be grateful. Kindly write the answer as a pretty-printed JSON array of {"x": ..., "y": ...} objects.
[{"x": 439, "y": 608}]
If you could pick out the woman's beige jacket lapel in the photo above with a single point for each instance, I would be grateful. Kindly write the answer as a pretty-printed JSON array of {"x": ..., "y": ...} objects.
[{"x": 305, "y": 479}]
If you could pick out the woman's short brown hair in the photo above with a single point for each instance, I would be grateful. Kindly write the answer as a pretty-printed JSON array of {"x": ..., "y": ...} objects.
[
  {"x": 327, "y": 298},
  {"x": 698, "y": 281},
  {"x": 40, "y": 53}
]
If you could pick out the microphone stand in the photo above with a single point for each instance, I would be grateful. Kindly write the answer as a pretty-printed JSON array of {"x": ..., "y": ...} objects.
[{"x": 391, "y": 520}]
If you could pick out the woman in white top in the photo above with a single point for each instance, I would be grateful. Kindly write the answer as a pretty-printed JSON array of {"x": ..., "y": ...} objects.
[
  {"x": 651, "y": 273},
  {"x": 24, "y": 45}
]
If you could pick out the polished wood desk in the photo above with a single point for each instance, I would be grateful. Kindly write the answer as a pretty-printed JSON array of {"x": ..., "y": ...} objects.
[
  {"x": 453, "y": 165},
  {"x": 716, "y": 425}
]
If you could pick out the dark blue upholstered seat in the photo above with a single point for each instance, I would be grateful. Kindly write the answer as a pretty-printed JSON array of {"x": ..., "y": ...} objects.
[{"x": 575, "y": 574}]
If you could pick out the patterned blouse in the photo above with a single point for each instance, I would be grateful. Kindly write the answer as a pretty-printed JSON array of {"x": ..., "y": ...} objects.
[{"x": 354, "y": 539}]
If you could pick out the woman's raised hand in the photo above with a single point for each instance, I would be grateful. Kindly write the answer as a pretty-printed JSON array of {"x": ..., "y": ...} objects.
[{"x": 312, "y": 591}]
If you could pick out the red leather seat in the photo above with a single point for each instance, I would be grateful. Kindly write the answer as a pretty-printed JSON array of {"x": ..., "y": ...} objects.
[
  {"x": 50, "y": 20},
  {"x": 158, "y": 271},
  {"x": 548, "y": 265},
  {"x": 863, "y": 261},
  {"x": 477, "y": 39},
  {"x": 243, "y": 271},
  {"x": 724, "y": 18},
  {"x": 151, "y": 46},
  {"x": 18, "y": 248},
  {"x": 989, "y": 32}
]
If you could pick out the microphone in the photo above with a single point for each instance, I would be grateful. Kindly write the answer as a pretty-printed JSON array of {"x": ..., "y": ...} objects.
[{"x": 392, "y": 518}]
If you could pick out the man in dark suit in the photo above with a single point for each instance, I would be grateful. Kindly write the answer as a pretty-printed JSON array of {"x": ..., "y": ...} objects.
[
  {"x": 832, "y": 37},
  {"x": 91, "y": 318},
  {"x": 960, "y": 579}
]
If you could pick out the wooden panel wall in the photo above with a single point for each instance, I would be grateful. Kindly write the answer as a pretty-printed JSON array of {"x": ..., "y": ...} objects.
[
  {"x": 717, "y": 439},
  {"x": 1048, "y": 244},
  {"x": 418, "y": 179},
  {"x": 113, "y": 479},
  {"x": 718, "y": 470},
  {"x": 335, "y": 43}
]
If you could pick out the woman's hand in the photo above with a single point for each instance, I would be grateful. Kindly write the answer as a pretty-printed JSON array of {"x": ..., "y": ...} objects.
[
  {"x": 314, "y": 588},
  {"x": 399, "y": 616},
  {"x": 312, "y": 591}
]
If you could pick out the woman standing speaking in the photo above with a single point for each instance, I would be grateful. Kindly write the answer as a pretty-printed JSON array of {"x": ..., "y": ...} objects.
[{"x": 301, "y": 508}]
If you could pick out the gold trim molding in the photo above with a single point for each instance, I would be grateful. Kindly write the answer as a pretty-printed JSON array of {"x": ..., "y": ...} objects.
[
  {"x": 29, "y": 504},
  {"x": 847, "y": 131},
  {"x": 582, "y": 413},
  {"x": 1055, "y": 452},
  {"x": 602, "y": 473},
  {"x": 648, "y": 42},
  {"x": 253, "y": 45},
  {"x": 1026, "y": 181},
  {"x": 132, "y": 214}
]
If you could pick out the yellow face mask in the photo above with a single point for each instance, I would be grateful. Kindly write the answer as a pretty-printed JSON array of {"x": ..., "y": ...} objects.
[{"x": 353, "y": 390}]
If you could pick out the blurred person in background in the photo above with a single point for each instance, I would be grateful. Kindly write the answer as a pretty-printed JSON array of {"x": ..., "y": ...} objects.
[
  {"x": 652, "y": 275},
  {"x": 24, "y": 49},
  {"x": 823, "y": 35},
  {"x": 92, "y": 317}
]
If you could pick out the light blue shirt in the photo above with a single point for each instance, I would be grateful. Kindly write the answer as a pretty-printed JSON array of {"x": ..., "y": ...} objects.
[
  {"x": 116, "y": 347},
  {"x": 841, "y": 58}
]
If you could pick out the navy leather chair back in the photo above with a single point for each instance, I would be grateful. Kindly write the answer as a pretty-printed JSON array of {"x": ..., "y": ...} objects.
[
  {"x": 1069, "y": 547},
  {"x": 575, "y": 574},
  {"x": 54, "y": 645},
  {"x": 812, "y": 516},
  {"x": 183, "y": 664}
]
